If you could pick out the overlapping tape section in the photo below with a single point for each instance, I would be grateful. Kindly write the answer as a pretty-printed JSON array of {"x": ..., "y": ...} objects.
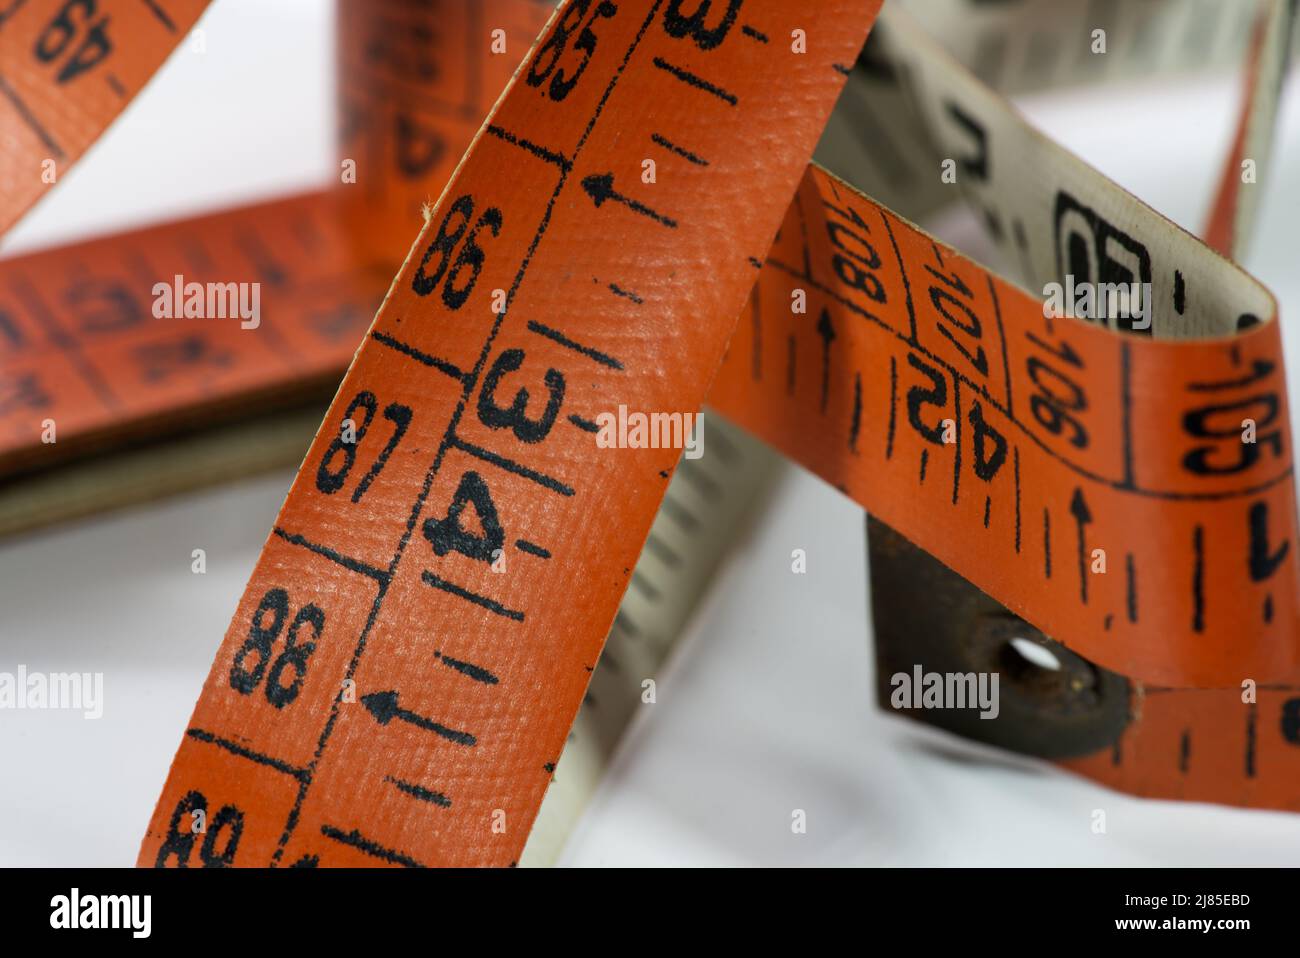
[{"x": 1060, "y": 447}]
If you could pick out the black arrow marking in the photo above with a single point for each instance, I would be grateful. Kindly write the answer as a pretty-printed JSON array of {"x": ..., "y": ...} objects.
[
  {"x": 600, "y": 187},
  {"x": 383, "y": 706},
  {"x": 827, "y": 332},
  {"x": 1082, "y": 516}
]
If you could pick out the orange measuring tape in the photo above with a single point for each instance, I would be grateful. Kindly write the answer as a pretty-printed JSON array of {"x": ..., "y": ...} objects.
[{"x": 385, "y": 693}]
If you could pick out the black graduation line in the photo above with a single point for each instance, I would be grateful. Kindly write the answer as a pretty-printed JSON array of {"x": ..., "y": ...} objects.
[
  {"x": 586, "y": 425},
  {"x": 720, "y": 444},
  {"x": 663, "y": 552},
  {"x": 756, "y": 321},
  {"x": 1079, "y": 512},
  {"x": 406, "y": 349},
  {"x": 420, "y": 792},
  {"x": 803, "y": 233},
  {"x": 358, "y": 841},
  {"x": 696, "y": 81},
  {"x": 509, "y": 465},
  {"x": 1198, "y": 579},
  {"x": 988, "y": 508},
  {"x": 161, "y": 14},
  {"x": 481, "y": 600},
  {"x": 235, "y": 748},
  {"x": 532, "y": 548},
  {"x": 625, "y": 293},
  {"x": 1047, "y": 542},
  {"x": 1126, "y": 413},
  {"x": 855, "y": 424},
  {"x": 1002, "y": 334},
  {"x": 893, "y": 407},
  {"x": 702, "y": 481},
  {"x": 753, "y": 34},
  {"x": 826, "y": 332},
  {"x": 679, "y": 514},
  {"x": 642, "y": 585},
  {"x": 1130, "y": 571},
  {"x": 475, "y": 672},
  {"x": 28, "y": 117},
  {"x": 956, "y": 459},
  {"x": 925, "y": 459},
  {"x": 907, "y": 291},
  {"x": 1016, "y": 462},
  {"x": 556, "y": 336},
  {"x": 1185, "y": 751},
  {"x": 353, "y": 565},
  {"x": 1022, "y": 246},
  {"x": 674, "y": 148},
  {"x": 528, "y": 146}
]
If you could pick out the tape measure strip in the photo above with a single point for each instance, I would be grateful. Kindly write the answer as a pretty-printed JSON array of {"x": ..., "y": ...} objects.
[
  {"x": 1165, "y": 783},
  {"x": 1233, "y": 211},
  {"x": 85, "y": 345},
  {"x": 878, "y": 407},
  {"x": 66, "y": 71},
  {"x": 1221, "y": 294},
  {"x": 540, "y": 192},
  {"x": 1023, "y": 46},
  {"x": 412, "y": 94}
]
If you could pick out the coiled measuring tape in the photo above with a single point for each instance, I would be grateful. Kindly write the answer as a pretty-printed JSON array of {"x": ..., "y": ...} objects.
[{"x": 385, "y": 695}]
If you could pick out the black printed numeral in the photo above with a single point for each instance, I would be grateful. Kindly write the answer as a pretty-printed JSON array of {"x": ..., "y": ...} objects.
[
  {"x": 450, "y": 535},
  {"x": 1223, "y": 424},
  {"x": 268, "y": 623},
  {"x": 696, "y": 25},
  {"x": 455, "y": 291},
  {"x": 515, "y": 416},
  {"x": 856, "y": 259},
  {"x": 332, "y": 473},
  {"x": 562, "y": 80},
  {"x": 76, "y": 32},
  {"x": 959, "y": 317},
  {"x": 1059, "y": 396},
  {"x": 220, "y": 835}
]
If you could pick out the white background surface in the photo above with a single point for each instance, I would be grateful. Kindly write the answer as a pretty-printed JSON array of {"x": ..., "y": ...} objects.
[{"x": 765, "y": 708}]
